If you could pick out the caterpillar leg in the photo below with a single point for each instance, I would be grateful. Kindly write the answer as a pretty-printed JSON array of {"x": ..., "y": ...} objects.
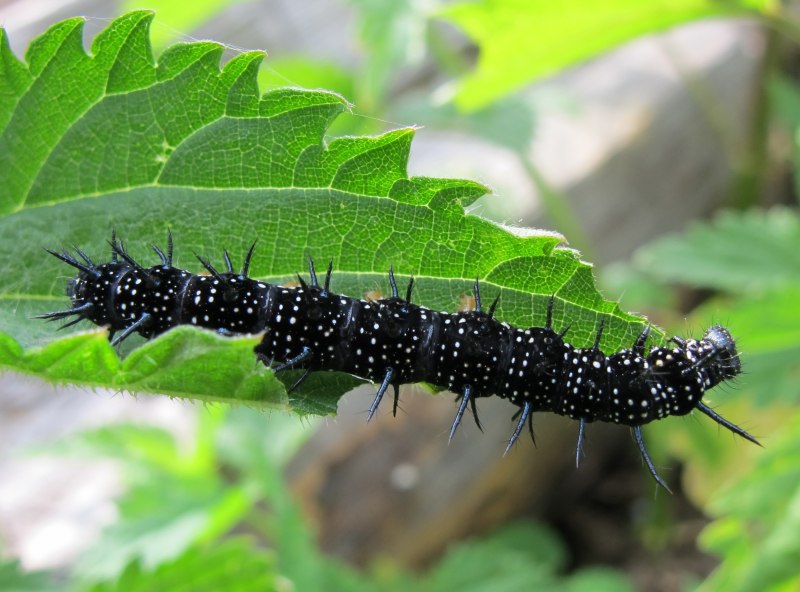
[
  {"x": 141, "y": 323},
  {"x": 474, "y": 409},
  {"x": 247, "y": 258},
  {"x": 228, "y": 263},
  {"x": 726, "y": 424},
  {"x": 466, "y": 397},
  {"x": 72, "y": 322},
  {"x": 579, "y": 448},
  {"x": 304, "y": 355},
  {"x": 523, "y": 417},
  {"x": 264, "y": 359},
  {"x": 84, "y": 256},
  {"x": 530, "y": 424},
  {"x": 637, "y": 435},
  {"x": 113, "y": 243},
  {"x": 549, "y": 321},
  {"x": 396, "y": 401},
  {"x": 298, "y": 382},
  {"x": 387, "y": 380}
]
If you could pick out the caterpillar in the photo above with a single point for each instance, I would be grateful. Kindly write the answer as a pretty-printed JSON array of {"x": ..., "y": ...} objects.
[{"x": 392, "y": 341}]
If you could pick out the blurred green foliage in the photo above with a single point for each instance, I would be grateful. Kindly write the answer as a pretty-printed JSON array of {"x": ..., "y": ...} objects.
[
  {"x": 178, "y": 511},
  {"x": 522, "y": 40},
  {"x": 757, "y": 532},
  {"x": 13, "y": 578}
]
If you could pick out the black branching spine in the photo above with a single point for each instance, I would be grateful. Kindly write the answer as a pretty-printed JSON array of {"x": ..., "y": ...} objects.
[{"x": 393, "y": 341}]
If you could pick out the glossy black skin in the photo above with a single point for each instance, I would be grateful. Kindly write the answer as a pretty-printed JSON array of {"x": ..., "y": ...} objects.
[
  {"x": 471, "y": 349},
  {"x": 172, "y": 297}
]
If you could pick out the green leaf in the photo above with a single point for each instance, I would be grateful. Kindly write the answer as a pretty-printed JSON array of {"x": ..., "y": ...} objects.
[
  {"x": 258, "y": 463},
  {"x": 237, "y": 565},
  {"x": 111, "y": 139},
  {"x": 161, "y": 518},
  {"x": 14, "y": 579},
  {"x": 179, "y": 499},
  {"x": 183, "y": 363},
  {"x": 739, "y": 252},
  {"x": 597, "y": 579},
  {"x": 176, "y": 498},
  {"x": 523, "y": 556},
  {"x": 521, "y": 40},
  {"x": 767, "y": 327},
  {"x": 239, "y": 440},
  {"x": 757, "y": 537}
]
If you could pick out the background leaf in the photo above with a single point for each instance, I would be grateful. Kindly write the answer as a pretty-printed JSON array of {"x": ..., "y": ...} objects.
[
  {"x": 176, "y": 497},
  {"x": 521, "y": 40},
  {"x": 518, "y": 557},
  {"x": 14, "y": 579},
  {"x": 739, "y": 252},
  {"x": 758, "y": 533},
  {"x": 234, "y": 564}
]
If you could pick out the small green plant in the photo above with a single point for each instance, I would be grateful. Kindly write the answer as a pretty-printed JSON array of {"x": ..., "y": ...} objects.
[{"x": 172, "y": 533}]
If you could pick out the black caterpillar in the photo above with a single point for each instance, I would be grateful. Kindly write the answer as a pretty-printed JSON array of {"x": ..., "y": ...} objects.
[{"x": 394, "y": 342}]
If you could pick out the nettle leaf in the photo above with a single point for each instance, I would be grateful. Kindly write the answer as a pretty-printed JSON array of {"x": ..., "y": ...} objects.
[
  {"x": 519, "y": 557},
  {"x": 13, "y": 578},
  {"x": 110, "y": 138},
  {"x": 756, "y": 536},
  {"x": 747, "y": 252},
  {"x": 235, "y": 564},
  {"x": 522, "y": 40}
]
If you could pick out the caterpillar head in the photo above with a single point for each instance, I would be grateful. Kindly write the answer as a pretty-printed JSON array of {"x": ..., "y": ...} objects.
[
  {"x": 74, "y": 291},
  {"x": 725, "y": 358},
  {"x": 96, "y": 287}
]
